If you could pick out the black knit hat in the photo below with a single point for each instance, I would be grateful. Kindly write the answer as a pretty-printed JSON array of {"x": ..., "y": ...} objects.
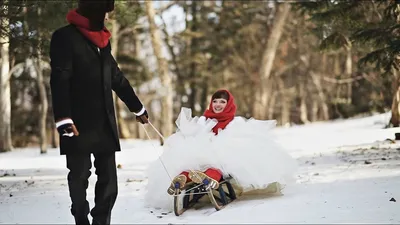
[{"x": 97, "y": 5}]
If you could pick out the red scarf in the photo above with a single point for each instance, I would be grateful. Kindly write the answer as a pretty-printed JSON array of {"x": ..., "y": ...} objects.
[
  {"x": 99, "y": 38},
  {"x": 225, "y": 117}
]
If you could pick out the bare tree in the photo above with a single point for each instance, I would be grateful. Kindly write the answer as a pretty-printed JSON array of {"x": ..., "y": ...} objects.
[
  {"x": 395, "y": 117},
  {"x": 42, "y": 93},
  {"x": 268, "y": 57},
  {"x": 163, "y": 72},
  {"x": 119, "y": 106},
  {"x": 5, "y": 94}
]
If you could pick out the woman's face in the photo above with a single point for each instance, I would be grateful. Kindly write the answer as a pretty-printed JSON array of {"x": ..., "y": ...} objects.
[{"x": 218, "y": 105}]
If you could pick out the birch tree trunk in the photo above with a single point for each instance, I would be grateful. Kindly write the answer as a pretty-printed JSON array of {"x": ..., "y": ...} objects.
[
  {"x": 303, "y": 102},
  {"x": 194, "y": 42},
  {"x": 325, "y": 109},
  {"x": 268, "y": 57},
  {"x": 302, "y": 84},
  {"x": 349, "y": 69},
  {"x": 42, "y": 95},
  {"x": 166, "y": 124},
  {"x": 395, "y": 117},
  {"x": 314, "y": 110},
  {"x": 137, "y": 130},
  {"x": 123, "y": 129},
  {"x": 43, "y": 107},
  {"x": 271, "y": 106},
  {"x": 285, "y": 102},
  {"x": 180, "y": 84},
  {"x": 5, "y": 94},
  {"x": 336, "y": 68}
]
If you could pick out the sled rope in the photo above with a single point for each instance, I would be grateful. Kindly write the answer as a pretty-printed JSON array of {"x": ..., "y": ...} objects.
[
  {"x": 162, "y": 137},
  {"x": 159, "y": 158},
  {"x": 158, "y": 132}
]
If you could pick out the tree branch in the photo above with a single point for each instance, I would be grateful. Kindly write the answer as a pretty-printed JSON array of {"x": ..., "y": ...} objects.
[
  {"x": 285, "y": 68},
  {"x": 127, "y": 30},
  {"x": 344, "y": 81},
  {"x": 166, "y": 7},
  {"x": 171, "y": 49},
  {"x": 14, "y": 69},
  {"x": 376, "y": 11}
]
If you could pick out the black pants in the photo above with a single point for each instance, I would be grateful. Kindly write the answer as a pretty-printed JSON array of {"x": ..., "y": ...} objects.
[{"x": 106, "y": 189}]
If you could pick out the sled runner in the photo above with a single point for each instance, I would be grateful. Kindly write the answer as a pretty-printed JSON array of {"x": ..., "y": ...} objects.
[{"x": 193, "y": 192}]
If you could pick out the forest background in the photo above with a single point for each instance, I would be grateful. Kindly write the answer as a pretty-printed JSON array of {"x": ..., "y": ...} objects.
[{"x": 295, "y": 62}]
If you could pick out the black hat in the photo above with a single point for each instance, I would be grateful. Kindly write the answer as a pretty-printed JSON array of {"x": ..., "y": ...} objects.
[{"x": 97, "y": 5}]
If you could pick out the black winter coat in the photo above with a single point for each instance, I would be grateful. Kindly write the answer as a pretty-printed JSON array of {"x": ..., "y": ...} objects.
[{"x": 82, "y": 77}]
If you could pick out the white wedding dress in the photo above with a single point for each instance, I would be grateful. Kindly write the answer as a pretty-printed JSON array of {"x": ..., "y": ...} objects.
[{"x": 244, "y": 149}]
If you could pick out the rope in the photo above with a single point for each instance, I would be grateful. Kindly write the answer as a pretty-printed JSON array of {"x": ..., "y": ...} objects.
[
  {"x": 162, "y": 137},
  {"x": 158, "y": 132},
  {"x": 159, "y": 158},
  {"x": 165, "y": 168}
]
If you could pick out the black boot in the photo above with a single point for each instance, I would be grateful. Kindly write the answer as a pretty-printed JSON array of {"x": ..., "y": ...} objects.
[{"x": 81, "y": 219}]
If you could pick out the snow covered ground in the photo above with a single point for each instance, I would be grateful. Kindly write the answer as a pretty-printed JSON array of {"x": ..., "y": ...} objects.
[{"x": 348, "y": 173}]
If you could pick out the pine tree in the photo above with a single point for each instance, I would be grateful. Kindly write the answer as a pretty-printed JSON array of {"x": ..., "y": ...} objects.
[{"x": 370, "y": 26}]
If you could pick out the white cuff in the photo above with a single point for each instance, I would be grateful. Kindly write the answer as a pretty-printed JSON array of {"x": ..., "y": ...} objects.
[
  {"x": 68, "y": 134},
  {"x": 140, "y": 112},
  {"x": 62, "y": 122}
]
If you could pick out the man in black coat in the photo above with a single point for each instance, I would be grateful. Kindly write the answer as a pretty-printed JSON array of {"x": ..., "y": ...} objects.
[{"x": 83, "y": 75}]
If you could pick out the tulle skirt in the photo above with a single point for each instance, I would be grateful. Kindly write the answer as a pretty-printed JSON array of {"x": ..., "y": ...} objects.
[{"x": 245, "y": 150}]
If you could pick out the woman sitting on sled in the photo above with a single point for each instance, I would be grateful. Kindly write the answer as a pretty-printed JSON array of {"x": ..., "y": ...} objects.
[
  {"x": 218, "y": 143},
  {"x": 222, "y": 108}
]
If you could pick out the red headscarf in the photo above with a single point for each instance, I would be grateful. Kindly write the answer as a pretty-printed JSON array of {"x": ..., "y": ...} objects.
[
  {"x": 99, "y": 38},
  {"x": 225, "y": 117}
]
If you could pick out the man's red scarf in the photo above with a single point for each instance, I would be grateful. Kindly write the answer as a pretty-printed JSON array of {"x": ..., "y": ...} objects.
[
  {"x": 99, "y": 38},
  {"x": 225, "y": 117}
]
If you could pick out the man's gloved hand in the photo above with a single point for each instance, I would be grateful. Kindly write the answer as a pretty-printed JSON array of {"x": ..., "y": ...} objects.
[
  {"x": 143, "y": 118},
  {"x": 68, "y": 130}
]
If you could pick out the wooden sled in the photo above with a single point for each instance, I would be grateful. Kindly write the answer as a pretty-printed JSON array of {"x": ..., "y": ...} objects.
[{"x": 193, "y": 192}]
